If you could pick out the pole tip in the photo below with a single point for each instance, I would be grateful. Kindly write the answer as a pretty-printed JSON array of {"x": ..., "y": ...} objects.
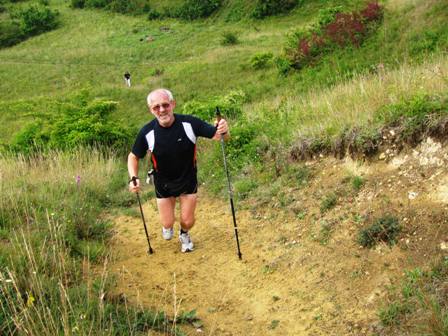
[{"x": 150, "y": 251}]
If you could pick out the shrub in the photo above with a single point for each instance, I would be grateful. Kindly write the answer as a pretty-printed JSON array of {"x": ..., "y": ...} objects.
[
  {"x": 283, "y": 65},
  {"x": 154, "y": 15},
  {"x": 75, "y": 126},
  {"x": 230, "y": 106},
  {"x": 78, "y": 3},
  {"x": 10, "y": 33},
  {"x": 97, "y": 3},
  {"x": 36, "y": 20},
  {"x": 383, "y": 229},
  {"x": 334, "y": 30},
  {"x": 229, "y": 38},
  {"x": 266, "y": 8},
  {"x": 196, "y": 9},
  {"x": 261, "y": 60}
]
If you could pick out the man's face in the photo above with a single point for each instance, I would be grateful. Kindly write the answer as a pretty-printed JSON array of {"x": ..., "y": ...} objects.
[{"x": 162, "y": 108}]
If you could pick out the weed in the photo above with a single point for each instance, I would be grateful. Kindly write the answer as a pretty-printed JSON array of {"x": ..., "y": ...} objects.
[
  {"x": 229, "y": 38},
  {"x": 274, "y": 324},
  {"x": 391, "y": 314},
  {"x": 261, "y": 60},
  {"x": 265, "y": 8},
  {"x": 357, "y": 183},
  {"x": 325, "y": 231},
  {"x": 328, "y": 202},
  {"x": 383, "y": 229}
]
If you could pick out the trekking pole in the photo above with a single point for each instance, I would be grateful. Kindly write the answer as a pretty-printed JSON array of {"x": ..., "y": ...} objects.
[
  {"x": 218, "y": 116},
  {"x": 134, "y": 181}
]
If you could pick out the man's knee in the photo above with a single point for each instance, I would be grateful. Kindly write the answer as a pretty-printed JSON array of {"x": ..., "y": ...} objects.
[{"x": 187, "y": 223}]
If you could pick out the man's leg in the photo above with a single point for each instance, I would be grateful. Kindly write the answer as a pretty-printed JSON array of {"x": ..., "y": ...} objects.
[
  {"x": 187, "y": 209},
  {"x": 166, "y": 213}
]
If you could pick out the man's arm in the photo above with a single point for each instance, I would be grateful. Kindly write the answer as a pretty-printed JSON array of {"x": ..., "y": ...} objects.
[{"x": 133, "y": 171}]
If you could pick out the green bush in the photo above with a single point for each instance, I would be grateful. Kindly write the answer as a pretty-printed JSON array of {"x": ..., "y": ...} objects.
[
  {"x": 384, "y": 229},
  {"x": 266, "y": 8},
  {"x": 35, "y": 20},
  {"x": 10, "y": 33},
  {"x": 196, "y": 9},
  {"x": 230, "y": 106},
  {"x": 75, "y": 126},
  {"x": 261, "y": 60},
  {"x": 229, "y": 38},
  {"x": 77, "y": 3},
  {"x": 283, "y": 65}
]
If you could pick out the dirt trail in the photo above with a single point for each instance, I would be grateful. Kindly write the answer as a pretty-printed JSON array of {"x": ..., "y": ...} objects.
[{"x": 290, "y": 281}]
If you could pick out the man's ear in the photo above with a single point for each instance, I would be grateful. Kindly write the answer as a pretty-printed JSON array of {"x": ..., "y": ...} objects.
[{"x": 173, "y": 103}]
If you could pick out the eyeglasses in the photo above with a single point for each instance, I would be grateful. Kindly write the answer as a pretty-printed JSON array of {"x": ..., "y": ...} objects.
[{"x": 158, "y": 106}]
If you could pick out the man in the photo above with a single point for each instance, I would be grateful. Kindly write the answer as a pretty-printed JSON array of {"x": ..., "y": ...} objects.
[
  {"x": 127, "y": 78},
  {"x": 171, "y": 141}
]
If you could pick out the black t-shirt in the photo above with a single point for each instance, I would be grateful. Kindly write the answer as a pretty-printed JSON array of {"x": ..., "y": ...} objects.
[{"x": 173, "y": 148}]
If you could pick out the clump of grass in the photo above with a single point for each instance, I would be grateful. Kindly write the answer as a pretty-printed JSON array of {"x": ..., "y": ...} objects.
[
  {"x": 419, "y": 301},
  {"x": 328, "y": 202},
  {"x": 229, "y": 38},
  {"x": 357, "y": 183},
  {"x": 384, "y": 229}
]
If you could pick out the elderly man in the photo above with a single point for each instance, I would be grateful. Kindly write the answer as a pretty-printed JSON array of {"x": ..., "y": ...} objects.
[{"x": 171, "y": 141}]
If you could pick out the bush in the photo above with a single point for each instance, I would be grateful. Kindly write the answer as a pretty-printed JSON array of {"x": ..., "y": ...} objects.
[
  {"x": 266, "y": 8},
  {"x": 230, "y": 106},
  {"x": 35, "y": 20},
  {"x": 196, "y": 9},
  {"x": 77, "y": 125},
  {"x": 334, "y": 30},
  {"x": 10, "y": 33},
  {"x": 261, "y": 60},
  {"x": 383, "y": 229},
  {"x": 78, "y": 3},
  {"x": 229, "y": 38},
  {"x": 283, "y": 65}
]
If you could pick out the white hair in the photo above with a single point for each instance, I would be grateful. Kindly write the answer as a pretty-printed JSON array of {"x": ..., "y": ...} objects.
[{"x": 164, "y": 91}]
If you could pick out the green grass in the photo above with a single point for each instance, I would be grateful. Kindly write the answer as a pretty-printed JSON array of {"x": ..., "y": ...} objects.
[{"x": 52, "y": 223}]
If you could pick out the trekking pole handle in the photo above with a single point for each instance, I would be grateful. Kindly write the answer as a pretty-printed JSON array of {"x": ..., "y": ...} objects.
[{"x": 218, "y": 118}]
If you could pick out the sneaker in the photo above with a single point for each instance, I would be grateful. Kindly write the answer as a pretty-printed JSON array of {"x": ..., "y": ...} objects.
[
  {"x": 186, "y": 243},
  {"x": 167, "y": 234}
]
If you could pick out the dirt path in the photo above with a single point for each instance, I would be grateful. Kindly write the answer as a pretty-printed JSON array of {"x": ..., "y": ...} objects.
[
  {"x": 294, "y": 279},
  {"x": 282, "y": 286}
]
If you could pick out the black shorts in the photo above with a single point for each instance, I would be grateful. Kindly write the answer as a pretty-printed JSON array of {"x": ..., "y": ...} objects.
[{"x": 165, "y": 189}]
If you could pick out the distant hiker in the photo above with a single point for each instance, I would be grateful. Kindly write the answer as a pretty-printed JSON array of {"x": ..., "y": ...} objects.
[
  {"x": 127, "y": 78},
  {"x": 170, "y": 139}
]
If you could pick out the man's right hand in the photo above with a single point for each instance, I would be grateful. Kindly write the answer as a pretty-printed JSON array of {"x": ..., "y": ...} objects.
[{"x": 134, "y": 185}]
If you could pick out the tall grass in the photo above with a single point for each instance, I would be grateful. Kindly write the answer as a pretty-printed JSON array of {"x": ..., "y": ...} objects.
[
  {"x": 52, "y": 229},
  {"x": 353, "y": 102}
]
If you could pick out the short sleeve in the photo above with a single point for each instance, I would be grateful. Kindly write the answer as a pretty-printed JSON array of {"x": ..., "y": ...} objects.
[
  {"x": 202, "y": 128},
  {"x": 140, "y": 147}
]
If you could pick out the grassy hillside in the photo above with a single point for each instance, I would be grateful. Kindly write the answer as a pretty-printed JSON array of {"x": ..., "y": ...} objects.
[
  {"x": 93, "y": 49},
  {"x": 349, "y": 100}
]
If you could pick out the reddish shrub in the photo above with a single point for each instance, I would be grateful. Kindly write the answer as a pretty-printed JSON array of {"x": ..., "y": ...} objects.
[
  {"x": 345, "y": 29},
  {"x": 372, "y": 12}
]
